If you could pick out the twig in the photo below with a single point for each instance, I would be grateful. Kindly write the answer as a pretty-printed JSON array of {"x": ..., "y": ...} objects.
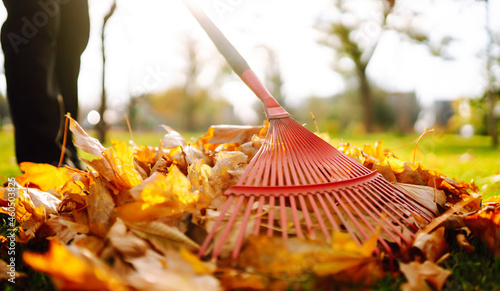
[
  {"x": 63, "y": 149},
  {"x": 418, "y": 140}
]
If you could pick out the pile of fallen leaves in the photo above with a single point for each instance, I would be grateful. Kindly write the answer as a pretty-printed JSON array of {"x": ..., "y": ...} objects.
[{"x": 136, "y": 218}]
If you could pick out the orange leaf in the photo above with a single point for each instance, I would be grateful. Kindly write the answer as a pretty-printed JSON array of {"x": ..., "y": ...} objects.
[
  {"x": 44, "y": 176},
  {"x": 73, "y": 270},
  {"x": 486, "y": 225},
  {"x": 419, "y": 275}
]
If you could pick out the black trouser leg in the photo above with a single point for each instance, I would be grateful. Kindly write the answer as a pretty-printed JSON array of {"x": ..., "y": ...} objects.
[{"x": 38, "y": 69}]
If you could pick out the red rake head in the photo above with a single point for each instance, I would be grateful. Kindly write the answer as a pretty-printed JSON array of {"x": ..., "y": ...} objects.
[{"x": 299, "y": 185}]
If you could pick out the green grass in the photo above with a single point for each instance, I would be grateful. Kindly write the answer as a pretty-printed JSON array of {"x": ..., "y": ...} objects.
[{"x": 463, "y": 159}]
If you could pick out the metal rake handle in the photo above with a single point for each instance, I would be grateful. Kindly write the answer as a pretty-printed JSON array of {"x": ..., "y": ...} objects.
[{"x": 237, "y": 62}]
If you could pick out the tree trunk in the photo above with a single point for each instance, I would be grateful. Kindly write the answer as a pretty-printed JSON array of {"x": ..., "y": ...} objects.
[
  {"x": 102, "y": 127},
  {"x": 366, "y": 99},
  {"x": 492, "y": 122}
]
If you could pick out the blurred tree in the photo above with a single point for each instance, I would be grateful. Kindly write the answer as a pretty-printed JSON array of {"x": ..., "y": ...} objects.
[
  {"x": 354, "y": 31},
  {"x": 190, "y": 106},
  {"x": 492, "y": 94},
  {"x": 273, "y": 80},
  {"x": 337, "y": 114},
  {"x": 101, "y": 126}
]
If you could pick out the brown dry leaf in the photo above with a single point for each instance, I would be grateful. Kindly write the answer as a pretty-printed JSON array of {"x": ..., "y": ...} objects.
[
  {"x": 92, "y": 243},
  {"x": 229, "y": 167},
  {"x": 73, "y": 268},
  {"x": 220, "y": 134},
  {"x": 294, "y": 259},
  {"x": 85, "y": 142},
  {"x": 155, "y": 272},
  {"x": 418, "y": 275},
  {"x": 432, "y": 246},
  {"x": 486, "y": 225},
  {"x": 428, "y": 196},
  {"x": 125, "y": 242},
  {"x": 43, "y": 176},
  {"x": 7, "y": 273},
  {"x": 464, "y": 243},
  {"x": 162, "y": 236},
  {"x": 234, "y": 279},
  {"x": 100, "y": 207},
  {"x": 198, "y": 174}
]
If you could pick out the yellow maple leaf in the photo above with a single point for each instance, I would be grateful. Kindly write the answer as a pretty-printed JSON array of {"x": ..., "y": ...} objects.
[
  {"x": 73, "y": 271},
  {"x": 121, "y": 161},
  {"x": 44, "y": 176},
  {"x": 171, "y": 188}
]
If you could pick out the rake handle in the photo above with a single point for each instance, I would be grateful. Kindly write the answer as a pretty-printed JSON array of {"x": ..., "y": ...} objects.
[{"x": 237, "y": 62}]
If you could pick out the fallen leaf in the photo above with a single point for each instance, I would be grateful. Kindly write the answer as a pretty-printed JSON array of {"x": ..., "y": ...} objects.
[
  {"x": 486, "y": 225},
  {"x": 72, "y": 268},
  {"x": 431, "y": 246},
  {"x": 100, "y": 207},
  {"x": 44, "y": 176},
  {"x": 418, "y": 275},
  {"x": 7, "y": 272},
  {"x": 162, "y": 236},
  {"x": 85, "y": 142}
]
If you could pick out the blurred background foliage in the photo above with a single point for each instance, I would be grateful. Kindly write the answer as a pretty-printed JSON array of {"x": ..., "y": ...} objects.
[{"x": 351, "y": 36}]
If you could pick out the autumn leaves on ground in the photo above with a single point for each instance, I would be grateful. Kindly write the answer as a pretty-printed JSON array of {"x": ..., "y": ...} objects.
[{"x": 136, "y": 218}]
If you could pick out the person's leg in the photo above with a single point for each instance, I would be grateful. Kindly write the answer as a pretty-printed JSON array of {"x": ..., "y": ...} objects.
[
  {"x": 29, "y": 46},
  {"x": 72, "y": 40}
]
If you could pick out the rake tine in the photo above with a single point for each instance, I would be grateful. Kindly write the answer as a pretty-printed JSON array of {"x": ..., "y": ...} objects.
[
  {"x": 402, "y": 197},
  {"x": 398, "y": 209},
  {"x": 239, "y": 240},
  {"x": 318, "y": 215},
  {"x": 389, "y": 214},
  {"x": 284, "y": 224},
  {"x": 211, "y": 234},
  {"x": 328, "y": 213},
  {"x": 341, "y": 217},
  {"x": 293, "y": 206},
  {"x": 355, "y": 222},
  {"x": 270, "y": 215},
  {"x": 258, "y": 217},
  {"x": 378, "y": 219},
  {"x": 362, "y": 217},
  {"x": 229, "y": 225},
  {"x": 306, "y": 216}
]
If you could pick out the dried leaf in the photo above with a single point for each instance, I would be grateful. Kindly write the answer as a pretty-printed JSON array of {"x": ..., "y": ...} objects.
[
  {"x": 486, "y": 225},
  {"x": 85, "y": 142},
  {"x": 199, "y": 174},
  {"x": 72, "y": 268},
  {"x": 155, "y": 272},
  {"x": 8, "y": 272},
  {"x": 172, "y": 139},
  {"x": 227, "y": 171},
  {"x": 44, "y": 176},
  {"x": 162, "y": 236},
  {"x": 100, "y": 207},
  {"x": 295, "y": 258},
  {"x": 418, "y": 275},
  {"x": 432, "y": 246}
]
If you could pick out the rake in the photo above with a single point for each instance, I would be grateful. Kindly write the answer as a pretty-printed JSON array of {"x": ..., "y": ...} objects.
[{"x": 301, "y": 186}]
